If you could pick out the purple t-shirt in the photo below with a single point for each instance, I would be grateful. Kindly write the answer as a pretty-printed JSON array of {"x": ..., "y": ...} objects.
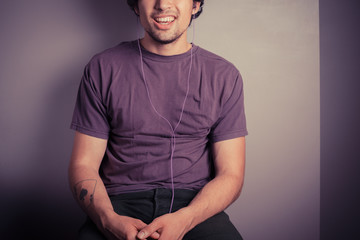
[{"x": 113, "y": 104}]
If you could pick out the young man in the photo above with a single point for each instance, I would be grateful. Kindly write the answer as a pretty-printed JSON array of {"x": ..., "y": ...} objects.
[{"x": 159, "y": 149}]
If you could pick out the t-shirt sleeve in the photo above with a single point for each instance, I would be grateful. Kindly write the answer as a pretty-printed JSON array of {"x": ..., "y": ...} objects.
[
  {"x": 231, "y": 122},
  {"x": 90, "y": 113}
]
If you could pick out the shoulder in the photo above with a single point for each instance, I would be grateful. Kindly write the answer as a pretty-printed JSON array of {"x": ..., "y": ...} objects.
[
  {"x": 214, "y": 62},
  {"x": 116, "y": 55},
  {"x": 218, "y": 69},
  {"x": 104, "y": 66}
]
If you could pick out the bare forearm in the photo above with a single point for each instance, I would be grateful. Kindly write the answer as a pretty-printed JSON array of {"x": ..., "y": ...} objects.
[
  {"x": 215, "y": 197},
  {"x": 218, "y": 194},
  {"x": 90, "y": 193}
]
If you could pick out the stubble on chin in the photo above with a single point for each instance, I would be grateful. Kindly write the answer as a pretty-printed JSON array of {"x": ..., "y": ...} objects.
[{"x": 162, "y": 39}]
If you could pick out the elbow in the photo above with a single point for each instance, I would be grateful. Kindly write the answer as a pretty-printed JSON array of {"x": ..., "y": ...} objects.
[
  {"x": 238, "y": 182},
  {"x": 232, "y": 183},
  {"x": 79, "y": 171}
]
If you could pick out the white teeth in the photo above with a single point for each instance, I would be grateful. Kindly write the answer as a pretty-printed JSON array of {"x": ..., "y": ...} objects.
[{"x": 165, "y": 19}]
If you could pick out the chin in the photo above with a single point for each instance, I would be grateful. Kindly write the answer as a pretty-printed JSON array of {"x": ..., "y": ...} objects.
[{"x": 165, "y": 40}]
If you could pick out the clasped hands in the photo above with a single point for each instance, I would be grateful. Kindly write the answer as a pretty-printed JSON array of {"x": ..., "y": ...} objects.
[{"x": 172, "y": 226}]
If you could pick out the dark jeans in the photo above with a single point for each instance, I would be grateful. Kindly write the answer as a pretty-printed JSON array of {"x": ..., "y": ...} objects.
[{"x": 149, "y": 205}]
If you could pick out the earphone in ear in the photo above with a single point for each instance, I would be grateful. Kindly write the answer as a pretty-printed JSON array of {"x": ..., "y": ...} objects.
[{"x": 193, "y": 15}]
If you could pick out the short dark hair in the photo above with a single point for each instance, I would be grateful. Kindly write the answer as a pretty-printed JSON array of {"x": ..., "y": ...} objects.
[{"x": 134, "y": 3}]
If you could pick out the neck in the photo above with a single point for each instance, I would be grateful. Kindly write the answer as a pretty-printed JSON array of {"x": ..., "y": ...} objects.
[{"x": 179, "y": 46}]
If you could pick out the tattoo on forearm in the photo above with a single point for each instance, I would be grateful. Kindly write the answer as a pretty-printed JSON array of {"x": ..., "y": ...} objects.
[{"x": 81, "y": 191}]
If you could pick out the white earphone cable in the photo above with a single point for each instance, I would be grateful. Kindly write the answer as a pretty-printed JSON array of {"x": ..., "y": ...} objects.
[{"x": 173, "y": 129}]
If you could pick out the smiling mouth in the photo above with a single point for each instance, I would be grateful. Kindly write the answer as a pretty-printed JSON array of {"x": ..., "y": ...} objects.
[{"x": 164, "y": 20}]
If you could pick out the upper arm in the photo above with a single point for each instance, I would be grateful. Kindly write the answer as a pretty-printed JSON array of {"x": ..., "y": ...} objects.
[
  {"x": 229, "y": 157},
  {"x": 87, "y": 151}
]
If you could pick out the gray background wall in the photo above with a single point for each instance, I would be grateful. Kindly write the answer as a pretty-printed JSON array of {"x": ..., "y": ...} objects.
[
  {"x": 44, "y": 47},
  {"x": 275, "y": 44}
]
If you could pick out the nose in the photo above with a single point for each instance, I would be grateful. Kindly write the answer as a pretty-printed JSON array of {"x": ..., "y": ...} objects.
[{"x": 163, "y": 5}]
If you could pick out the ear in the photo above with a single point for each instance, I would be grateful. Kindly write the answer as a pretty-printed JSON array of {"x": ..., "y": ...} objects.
[
  {"x": 196, "y": 7},
  {"x": 136, "y": 10}
]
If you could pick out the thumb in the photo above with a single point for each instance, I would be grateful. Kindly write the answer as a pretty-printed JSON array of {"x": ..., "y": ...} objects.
[{"x": 139, "y": 224}]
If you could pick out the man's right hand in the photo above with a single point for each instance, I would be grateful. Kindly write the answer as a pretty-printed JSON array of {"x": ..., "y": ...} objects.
[
  {"x": 90, "y": 192},
  {"x": 123, "y": 227}
]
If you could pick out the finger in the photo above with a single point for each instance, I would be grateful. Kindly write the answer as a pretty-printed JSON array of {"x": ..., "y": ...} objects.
[
  {"x": 167, "y": 234},
  {"x": 149, "y": 230},
  {"x": 155, "y": 235}
]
